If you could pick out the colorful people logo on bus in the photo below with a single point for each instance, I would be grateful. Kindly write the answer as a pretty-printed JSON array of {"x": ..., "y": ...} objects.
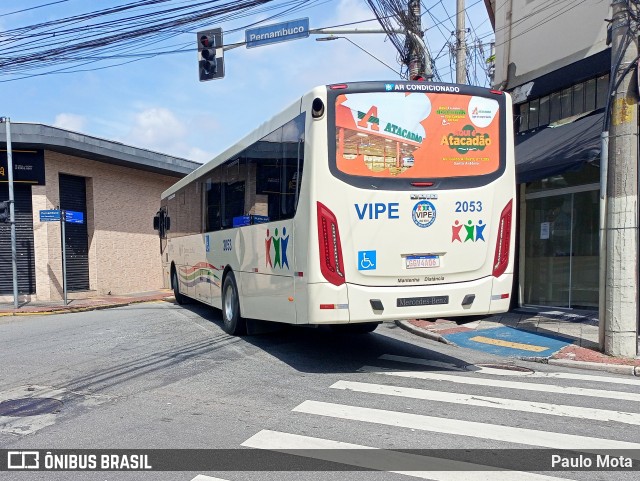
[
  {"x": 280, "y": 245},
  {"x": 471, "y": 230}
]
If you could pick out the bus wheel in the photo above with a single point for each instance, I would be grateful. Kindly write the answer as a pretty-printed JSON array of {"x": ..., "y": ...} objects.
[
  {"x": 176, "y": 288},
  {"x": 234, "y": 324},
  {"x": 360, "y": 328}
]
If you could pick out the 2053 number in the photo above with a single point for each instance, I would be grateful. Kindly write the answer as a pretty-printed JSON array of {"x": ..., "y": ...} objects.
[{"x": 472, "y": 206}]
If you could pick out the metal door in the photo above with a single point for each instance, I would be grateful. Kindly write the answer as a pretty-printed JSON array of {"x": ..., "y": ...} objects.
[{"x": 73, "y": 196}]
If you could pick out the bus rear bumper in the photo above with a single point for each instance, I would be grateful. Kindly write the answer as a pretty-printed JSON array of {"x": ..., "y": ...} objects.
[{"x": 356, "y": 303}]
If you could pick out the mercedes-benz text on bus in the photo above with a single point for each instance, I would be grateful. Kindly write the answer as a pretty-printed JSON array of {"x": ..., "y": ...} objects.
[{"x": 359, "y": 203}]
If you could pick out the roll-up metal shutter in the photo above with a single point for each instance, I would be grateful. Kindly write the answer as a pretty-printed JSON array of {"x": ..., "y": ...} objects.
[
  {"x": 25, "y": 262},
  {"x": 73, "y": 196}
]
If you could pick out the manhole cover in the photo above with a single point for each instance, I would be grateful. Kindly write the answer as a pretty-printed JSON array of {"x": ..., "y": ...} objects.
[
  {"x": 29, "y": 406},
  {"x": 506, "y": 367},
  {"x": 500, "y": 369}
]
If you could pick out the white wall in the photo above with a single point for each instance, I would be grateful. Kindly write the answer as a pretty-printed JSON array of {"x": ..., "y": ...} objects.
[{"x": 540, "y": 36}]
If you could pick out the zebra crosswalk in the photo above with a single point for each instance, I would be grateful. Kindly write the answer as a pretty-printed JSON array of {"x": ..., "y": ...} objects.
[
  {"x": 379, "y": 383},
  {"x": 347, "y": 453}
]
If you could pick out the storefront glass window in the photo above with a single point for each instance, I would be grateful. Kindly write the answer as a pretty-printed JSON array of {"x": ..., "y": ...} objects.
[
  {"x": 585, "y": 242},
  {"x": 534, "y": 108},
  {"x": 578, "y": 99},
  {"x": 602, "y": 86},
  {"x": 543, "y": 116},
  {"x": 556, "y": 109},
  {"x": 524, "y": 117},
  {"x": 590, "y": 95},
  {"x": 565, "y": 102},
  {"x": 561, "y": 240},
  {"x": 561, "y": 250}
]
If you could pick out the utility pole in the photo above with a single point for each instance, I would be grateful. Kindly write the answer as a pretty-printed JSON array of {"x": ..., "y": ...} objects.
[
  {"x": 12, "y": 211},
  {"x": 419, "y": 58},
  {"x": 461, "y": 46},
  {"x": 621, "y": 220}
]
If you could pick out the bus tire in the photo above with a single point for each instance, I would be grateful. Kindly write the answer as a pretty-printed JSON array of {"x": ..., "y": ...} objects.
[
  {"x": 233, "y": 323},
  {"x": 360, "y": 328},
  {"x": 176, "y": 287}
]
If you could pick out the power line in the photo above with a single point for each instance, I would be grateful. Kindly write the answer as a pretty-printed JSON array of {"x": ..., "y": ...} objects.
[
  {"x": 69, "y": 38},
  {"x": 110, "y": 36},
  {"x": 32, "y": 8}
]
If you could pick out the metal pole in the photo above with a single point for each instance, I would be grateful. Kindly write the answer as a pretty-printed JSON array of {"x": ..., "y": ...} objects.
[
  {"x": 604, "y": 164},
  {"x": 63, "y": 221},
  {"x": 12, "y": 214},
  {"x": 461, "y": 47}
]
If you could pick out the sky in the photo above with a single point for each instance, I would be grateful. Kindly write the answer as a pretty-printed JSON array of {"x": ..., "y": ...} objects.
[{"x": 159, "y": 104}]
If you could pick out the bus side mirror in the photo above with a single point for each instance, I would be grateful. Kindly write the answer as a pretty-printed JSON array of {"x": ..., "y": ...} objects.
[
  {"x": 167, "y": 223},
  {"x": 156, "y": 222}
]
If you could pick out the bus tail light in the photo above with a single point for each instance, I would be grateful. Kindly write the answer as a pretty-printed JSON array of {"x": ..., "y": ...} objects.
[
  {"x": 331, "y": 264},
  {"x": 501, "y": 258}
]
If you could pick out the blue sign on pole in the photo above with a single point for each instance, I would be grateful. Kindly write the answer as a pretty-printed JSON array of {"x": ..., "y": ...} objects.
[
  {"x": 51, "y": 215},
  {"x": 74, "y": 217},
  {"x": 278, "y": 32}
]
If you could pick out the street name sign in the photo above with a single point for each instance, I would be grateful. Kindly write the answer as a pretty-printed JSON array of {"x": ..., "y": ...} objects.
[
  {"x": 278, "y": 32},
  {"x": 74, "y": 217},
  {"x": 51, "y": 215}
]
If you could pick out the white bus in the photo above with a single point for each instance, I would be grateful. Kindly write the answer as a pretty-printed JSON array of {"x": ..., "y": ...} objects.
[{"x": 317, "y": 217}]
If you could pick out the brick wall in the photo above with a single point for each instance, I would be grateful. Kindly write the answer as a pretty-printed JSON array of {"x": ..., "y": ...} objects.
[{"x": 124, "y": 254}]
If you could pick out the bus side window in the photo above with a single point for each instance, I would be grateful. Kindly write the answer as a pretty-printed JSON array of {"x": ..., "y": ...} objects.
[
  {"x": 266, "y": 156},
  {"x": 293, "y": 160},
  {"x": 213, "y": 205},
  {"x": 233, "y": 201}
]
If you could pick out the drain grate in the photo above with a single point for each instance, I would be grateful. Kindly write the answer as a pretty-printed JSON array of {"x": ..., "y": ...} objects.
[{"x": 29, "y": 406}]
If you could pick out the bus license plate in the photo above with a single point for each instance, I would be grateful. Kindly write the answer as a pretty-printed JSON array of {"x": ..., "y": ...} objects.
[{"x": 415, "y": 262}]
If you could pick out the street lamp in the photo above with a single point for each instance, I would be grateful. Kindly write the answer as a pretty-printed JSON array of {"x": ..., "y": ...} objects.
[
  {"x": 336, "y": 37},
  {"x": 418, "y": 39}
]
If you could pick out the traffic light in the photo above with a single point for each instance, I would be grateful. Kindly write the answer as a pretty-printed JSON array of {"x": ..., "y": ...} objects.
[
  {"x": 4, "y": 211},
  {"x": 210, "y": 54}
]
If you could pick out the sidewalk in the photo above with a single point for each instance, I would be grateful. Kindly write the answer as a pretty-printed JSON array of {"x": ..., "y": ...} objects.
[
  {"x": 568, "y": 339},
  {"x": 78, "y": 305}
]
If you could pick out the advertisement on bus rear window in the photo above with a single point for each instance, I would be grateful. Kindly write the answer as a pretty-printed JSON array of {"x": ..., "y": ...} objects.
[{"x": 416, "y": 135}]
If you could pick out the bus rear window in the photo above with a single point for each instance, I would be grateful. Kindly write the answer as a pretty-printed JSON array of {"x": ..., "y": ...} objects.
[{"x": 416, "y": 135}]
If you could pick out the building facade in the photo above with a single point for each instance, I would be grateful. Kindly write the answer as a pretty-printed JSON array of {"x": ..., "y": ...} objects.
[
  {"x": 116, "y": 189},
  {"x": 558, "y": 75}
]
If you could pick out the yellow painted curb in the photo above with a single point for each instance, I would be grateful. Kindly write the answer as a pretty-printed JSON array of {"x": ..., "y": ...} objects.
[{"x": 512, "y": 345}]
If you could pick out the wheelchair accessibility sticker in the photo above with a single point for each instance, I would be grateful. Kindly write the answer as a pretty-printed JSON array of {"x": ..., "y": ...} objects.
[{"x": 366, "y": 260}]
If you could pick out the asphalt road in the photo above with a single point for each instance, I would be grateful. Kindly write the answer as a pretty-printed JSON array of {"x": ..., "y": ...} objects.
[{"x": 161, "y": 376}]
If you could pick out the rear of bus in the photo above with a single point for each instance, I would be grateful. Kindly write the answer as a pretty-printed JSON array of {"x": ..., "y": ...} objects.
[{"x": 414, "y": 205}]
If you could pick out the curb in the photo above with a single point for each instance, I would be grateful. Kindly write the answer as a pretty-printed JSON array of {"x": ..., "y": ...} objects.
[
  {"x": 65, "y": 310},
  {"x": 623, "y": 369},
  {"x": 407, "y": 326},
  {"x": 592, "y": 366},
  {"x": 597, "y": 366}
]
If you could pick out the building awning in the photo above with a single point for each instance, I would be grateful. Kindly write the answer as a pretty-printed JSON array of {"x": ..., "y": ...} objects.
[{"x": 553, "y": 150}]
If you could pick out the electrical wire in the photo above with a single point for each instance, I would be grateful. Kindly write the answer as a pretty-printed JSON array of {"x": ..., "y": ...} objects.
[
  {"x": 68, "y": 42},
  {"x": 32, "y": 8},
  {"x": 129, "y": 31}
]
